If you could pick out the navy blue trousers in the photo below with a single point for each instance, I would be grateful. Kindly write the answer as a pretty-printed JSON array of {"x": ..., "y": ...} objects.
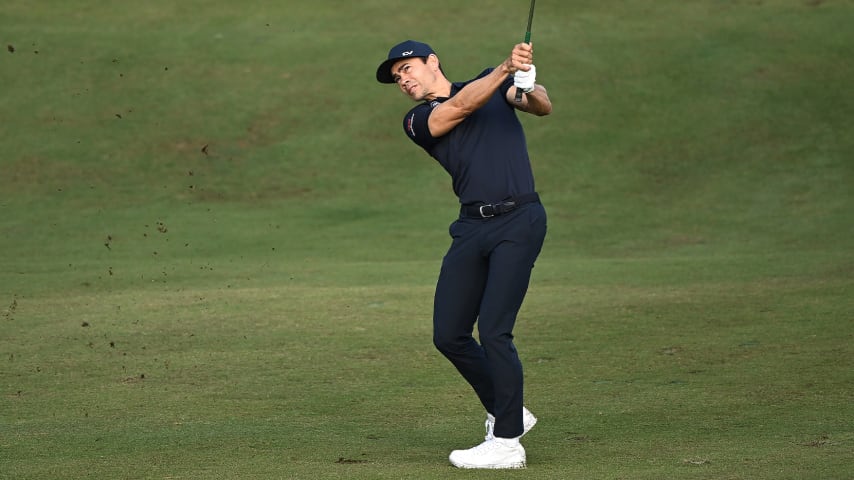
[{"x": 484, "y": 279}]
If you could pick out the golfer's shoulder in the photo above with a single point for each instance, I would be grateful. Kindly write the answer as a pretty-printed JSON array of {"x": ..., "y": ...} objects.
[
  {"x": 416, "y": 122},
  {"x": 482, "y": 74},
  {"x": 422, "y": 108}
]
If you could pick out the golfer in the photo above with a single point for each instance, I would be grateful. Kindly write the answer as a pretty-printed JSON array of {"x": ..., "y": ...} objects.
[{"x": 472, "y": 130}]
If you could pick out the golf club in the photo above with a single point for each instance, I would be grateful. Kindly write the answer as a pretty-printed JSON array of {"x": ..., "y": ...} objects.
[{"x": 527, "y": 40}]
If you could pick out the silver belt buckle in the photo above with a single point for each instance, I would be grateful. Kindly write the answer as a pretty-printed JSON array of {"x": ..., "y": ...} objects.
[{"x": 483, "y": 215}]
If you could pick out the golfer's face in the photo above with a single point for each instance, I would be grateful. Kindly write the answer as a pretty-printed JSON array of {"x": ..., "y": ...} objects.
[{"x": 412, "y": 76}]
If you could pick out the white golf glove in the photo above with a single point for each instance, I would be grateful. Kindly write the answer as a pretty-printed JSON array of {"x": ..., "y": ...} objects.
[{"x": 525, "y": 80}]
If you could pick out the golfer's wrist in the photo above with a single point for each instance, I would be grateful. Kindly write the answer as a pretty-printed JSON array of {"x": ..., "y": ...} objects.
[{"x": 507, "y": 67}]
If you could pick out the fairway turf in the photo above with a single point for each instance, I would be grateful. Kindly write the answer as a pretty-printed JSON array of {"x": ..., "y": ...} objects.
[{"x": 218, "y": 250}]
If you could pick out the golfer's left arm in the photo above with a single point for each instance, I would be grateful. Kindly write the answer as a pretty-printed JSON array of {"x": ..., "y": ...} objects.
[{"x": 536, "y": 102}]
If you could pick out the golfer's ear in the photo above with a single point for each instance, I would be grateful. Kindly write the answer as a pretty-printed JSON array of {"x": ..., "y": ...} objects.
[{"x": 433, "y": 62}]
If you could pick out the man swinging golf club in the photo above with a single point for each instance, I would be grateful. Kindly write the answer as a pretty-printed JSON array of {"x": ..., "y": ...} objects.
[{"x": 472, "y": 130}]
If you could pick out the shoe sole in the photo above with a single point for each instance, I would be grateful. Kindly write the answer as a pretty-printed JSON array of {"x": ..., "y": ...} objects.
[{"x": 501, "y": 466}]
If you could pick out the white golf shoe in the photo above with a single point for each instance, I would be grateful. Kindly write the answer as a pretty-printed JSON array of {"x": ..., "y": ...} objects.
[
  {"x": 528, "y": 422},
  {"x": 495, "y": 453}
]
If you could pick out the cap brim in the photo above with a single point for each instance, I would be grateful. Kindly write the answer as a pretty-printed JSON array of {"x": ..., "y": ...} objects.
[{"x": 384, "y": 71}]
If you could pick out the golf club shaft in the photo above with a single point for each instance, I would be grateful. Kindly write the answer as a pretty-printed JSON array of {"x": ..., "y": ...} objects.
[{"x": 527, "y": 40}]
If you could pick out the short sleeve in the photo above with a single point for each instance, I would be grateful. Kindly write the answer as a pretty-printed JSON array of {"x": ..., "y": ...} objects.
[{"x": 416, "y": 127}]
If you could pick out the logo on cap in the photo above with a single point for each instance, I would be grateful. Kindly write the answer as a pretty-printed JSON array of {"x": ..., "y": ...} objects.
[{"x": 406, "y": 54}]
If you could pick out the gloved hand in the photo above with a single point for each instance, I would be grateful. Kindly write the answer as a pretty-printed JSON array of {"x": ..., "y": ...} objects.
[{"x": 525, "y": 80}]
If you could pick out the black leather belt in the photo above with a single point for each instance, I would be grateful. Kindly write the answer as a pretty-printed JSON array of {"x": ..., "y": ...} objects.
[{"x": 488, "y": 210}]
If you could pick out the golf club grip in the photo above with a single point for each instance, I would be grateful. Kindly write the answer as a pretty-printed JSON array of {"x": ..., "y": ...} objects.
[{"x": 527, "y": 40}]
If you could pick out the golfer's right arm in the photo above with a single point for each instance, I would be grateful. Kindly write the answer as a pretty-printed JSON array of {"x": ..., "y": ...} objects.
[{"x": 451, "y": 113}]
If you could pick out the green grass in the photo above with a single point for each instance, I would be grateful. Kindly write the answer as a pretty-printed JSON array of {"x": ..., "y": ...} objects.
[{"x": 218, "y": 249}]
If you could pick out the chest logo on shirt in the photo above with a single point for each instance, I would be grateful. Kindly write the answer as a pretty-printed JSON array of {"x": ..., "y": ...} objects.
[{"x": 434, "y": 104}]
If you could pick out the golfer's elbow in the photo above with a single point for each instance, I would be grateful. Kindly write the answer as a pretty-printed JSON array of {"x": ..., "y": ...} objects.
[
  {"x": 543, "y": 109},
  {"x": 445, "y": 117},
  {"x": 539, "y": 103},
  {"x": 464, "y": 106}
]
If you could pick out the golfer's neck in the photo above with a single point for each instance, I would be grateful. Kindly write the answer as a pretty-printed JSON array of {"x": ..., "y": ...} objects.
[{"x": 442, "y": 89}]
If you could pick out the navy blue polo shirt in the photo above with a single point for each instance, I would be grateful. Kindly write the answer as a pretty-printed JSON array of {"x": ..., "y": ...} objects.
[{"x": 486, "y": 154}]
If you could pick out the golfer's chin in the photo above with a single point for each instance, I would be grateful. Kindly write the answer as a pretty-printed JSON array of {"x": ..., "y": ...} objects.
[{"x": 415, "y": 94}]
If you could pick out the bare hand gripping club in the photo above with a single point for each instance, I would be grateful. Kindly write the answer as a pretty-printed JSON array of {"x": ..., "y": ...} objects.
[{"x": 527, "y": 40}]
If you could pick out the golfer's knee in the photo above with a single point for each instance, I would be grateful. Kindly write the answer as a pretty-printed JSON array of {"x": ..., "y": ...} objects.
[
  {"x": 442, "y": 343},
  {"x": 449, "y": 343},
  {"x": 497, "y": 342}
]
